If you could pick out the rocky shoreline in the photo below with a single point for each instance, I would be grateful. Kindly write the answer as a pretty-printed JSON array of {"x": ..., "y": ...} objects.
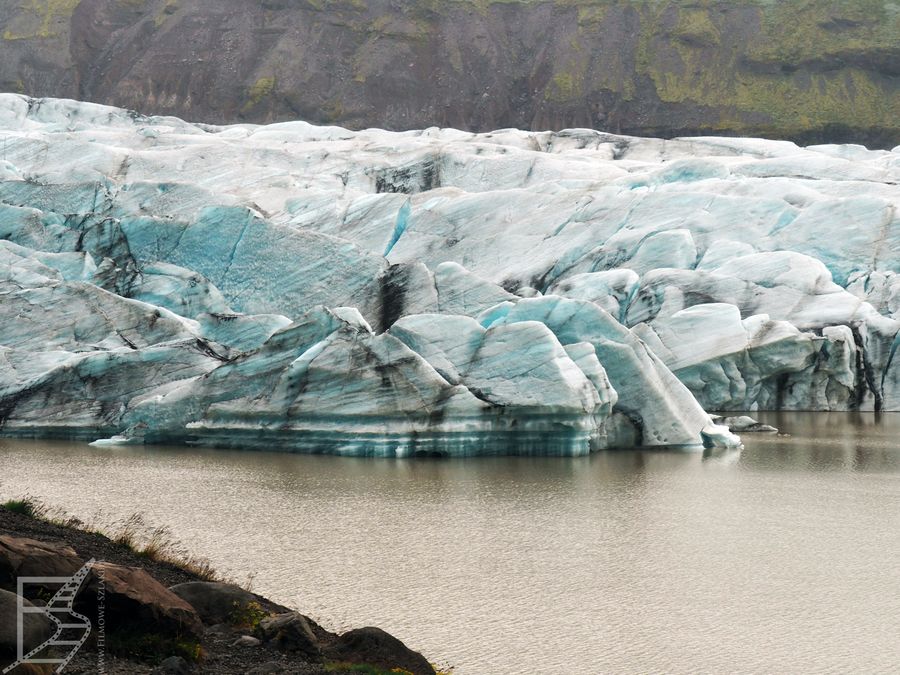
[{"x": 157, "y": 616}]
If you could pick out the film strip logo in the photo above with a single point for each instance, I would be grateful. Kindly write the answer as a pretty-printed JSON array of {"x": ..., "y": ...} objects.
[{"x": 71, "y": 629}]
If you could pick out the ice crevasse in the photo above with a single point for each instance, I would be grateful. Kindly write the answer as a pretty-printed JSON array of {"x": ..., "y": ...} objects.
[{"x": 432, "y": 292}]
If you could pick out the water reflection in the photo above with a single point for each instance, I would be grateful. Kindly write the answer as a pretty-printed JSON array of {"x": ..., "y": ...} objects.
[
  {"x": 865, "y": 442},
  {"x": 723, "y": 456}
]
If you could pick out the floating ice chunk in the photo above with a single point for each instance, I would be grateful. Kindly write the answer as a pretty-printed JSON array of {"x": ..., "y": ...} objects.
[
  {"x": 743, "y": 424},
  {"x": 719, "y": 436},
  {"x": 512, "y": 389},
  {"x": 119, "y": 440}
]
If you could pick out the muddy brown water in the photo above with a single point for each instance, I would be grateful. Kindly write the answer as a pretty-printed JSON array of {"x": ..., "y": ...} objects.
[{"x": 784, "y": 557}]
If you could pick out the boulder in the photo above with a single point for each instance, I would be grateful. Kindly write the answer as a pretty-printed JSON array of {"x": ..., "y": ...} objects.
[
  {"x": 220, "y": 629},
  {"x": 246, "y": 641},
  {"x": 135, "y": 600},
  {"x": 36, "y": 628},
  {"x": 174, "y": 665},
  {"x": 292, "y": 632},
  {"x": 23, "y": 557},
  {"x": 218, "y": 603},
  {"x": 746, "y": 424},
  {"x": 374, "y": 647}
]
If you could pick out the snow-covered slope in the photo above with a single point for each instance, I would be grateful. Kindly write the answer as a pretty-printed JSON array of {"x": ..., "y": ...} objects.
[{"x": 435, "y": 291}]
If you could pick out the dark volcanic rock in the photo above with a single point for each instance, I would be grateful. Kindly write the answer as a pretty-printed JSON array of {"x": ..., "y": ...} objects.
[
  {"x": 36, "y": 628},
  {"x": 146, "y": 623},
  {"x": 218, "y": 603},
  {"x": 374, "y": 647},
  {"x": 292, "y": 632},
  {"x": 135, "y": 600},
  {"x": 812, "y": 71},
  {"x": 23, "y": 557}
]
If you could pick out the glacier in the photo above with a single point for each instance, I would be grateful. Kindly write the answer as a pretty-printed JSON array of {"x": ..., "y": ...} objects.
[{"x": 439, "y": 292}]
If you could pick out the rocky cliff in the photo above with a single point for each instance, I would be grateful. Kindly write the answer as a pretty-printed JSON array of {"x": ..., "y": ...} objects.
[{"x": 807, "y": 70}]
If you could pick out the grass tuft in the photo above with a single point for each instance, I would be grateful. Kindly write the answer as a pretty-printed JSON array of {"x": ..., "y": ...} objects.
[
  {"x": 134, "y": 533},
  {"x": 129, "y": 531},
  {"x": 247, "y": 615},
  {"x": 25, "y": 507},
  {"x": 160, "y": 545},
  {"x": 33, "y": 507}
]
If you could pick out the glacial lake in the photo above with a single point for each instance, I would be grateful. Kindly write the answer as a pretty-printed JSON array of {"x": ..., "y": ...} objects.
[{"x": 784, "y": 557}]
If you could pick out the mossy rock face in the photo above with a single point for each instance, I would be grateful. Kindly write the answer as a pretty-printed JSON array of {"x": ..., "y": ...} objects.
[{"x": 808, "y": 70}]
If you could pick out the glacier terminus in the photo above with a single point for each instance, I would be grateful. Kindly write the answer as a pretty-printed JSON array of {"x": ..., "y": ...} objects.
[{"x": 432, "y": 292}]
